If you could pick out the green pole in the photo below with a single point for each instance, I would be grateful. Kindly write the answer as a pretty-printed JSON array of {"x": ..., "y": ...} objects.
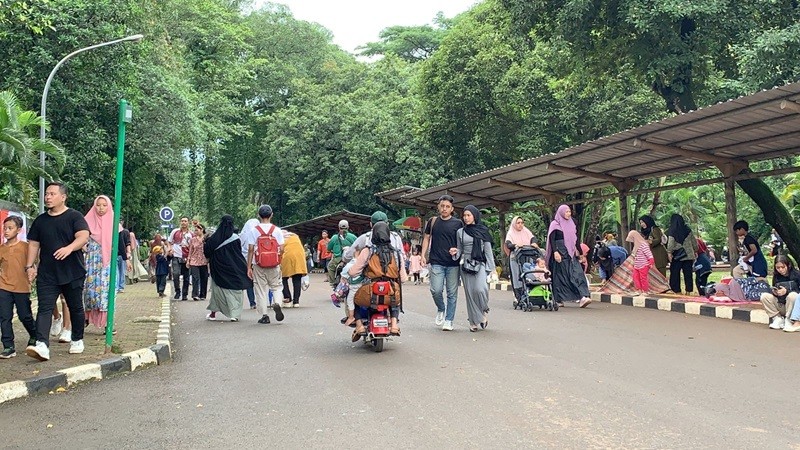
[{"x": 124, "y": 117}]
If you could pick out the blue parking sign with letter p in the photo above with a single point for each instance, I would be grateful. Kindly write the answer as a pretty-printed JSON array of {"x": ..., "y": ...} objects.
[{"x": 166, "y": 214}]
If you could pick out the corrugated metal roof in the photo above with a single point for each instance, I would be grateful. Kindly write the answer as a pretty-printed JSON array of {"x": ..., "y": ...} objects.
[
  {"x": 359, "y": 224},
  {"x": 757, "y": 127}
]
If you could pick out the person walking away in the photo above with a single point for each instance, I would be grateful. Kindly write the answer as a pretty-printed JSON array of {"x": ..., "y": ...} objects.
[
  {"x": 15, "y": 289},
  {"x": 750, "y": 253},
  {"x": 415, "y": 265},
  {"x": 179, "y": 239},
  {"x": 294, "y": 267},
  {"x": 198, "y": 264},
  {"x": 643, "y": 260},
  {"x": 562, "y": 255},
  {"x": 324, "y": 254},
  {"x": 475, "y": 257},
  {"x": 264, "y": 251},
  {"x": 336, "y": 246},
  {"x": 56, "y": 239},
  {"x": 657, "y": 241},
  {"x": 123, "y": 263},
  {"x": 161, "y": 270},
  {"x": 100, "y": 219},
  {"x": 781, "y": 303},
  {"x": 682, "y": 251},
  {"x": 439, "y": 236},
  {"x": 223, "y": 249}
]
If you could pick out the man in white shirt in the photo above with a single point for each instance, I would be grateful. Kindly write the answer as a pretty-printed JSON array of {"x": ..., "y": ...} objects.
[
  {"x": 179, "y": 241},
  {"x": 265, "y": 278}
]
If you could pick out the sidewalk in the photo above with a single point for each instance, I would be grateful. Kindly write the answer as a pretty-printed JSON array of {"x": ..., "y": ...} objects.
[
  {"x": 753, "y": 313},
  {"x": 138, "y": 321}
]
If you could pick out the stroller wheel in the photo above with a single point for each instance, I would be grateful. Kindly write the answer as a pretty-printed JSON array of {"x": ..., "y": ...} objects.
[{"x": 555, "y": 306}]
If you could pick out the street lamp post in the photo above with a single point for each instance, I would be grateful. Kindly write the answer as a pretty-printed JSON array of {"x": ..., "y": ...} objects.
[{"x": 43, "y": 112}]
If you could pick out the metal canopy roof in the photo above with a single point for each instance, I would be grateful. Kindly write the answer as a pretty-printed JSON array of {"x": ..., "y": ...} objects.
[
  {"x": 359, "y": 224},
  {"x": 731, "y": 134}
]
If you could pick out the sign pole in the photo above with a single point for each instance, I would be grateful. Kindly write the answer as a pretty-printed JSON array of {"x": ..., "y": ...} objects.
[{"x": 125, "y": 115}]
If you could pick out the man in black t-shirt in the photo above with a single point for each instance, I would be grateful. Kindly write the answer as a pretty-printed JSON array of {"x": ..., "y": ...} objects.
[
  {"x": 440, "y": 236},
  {"x": 57, "y": 238},
  {"x": 123, "y": 256}
]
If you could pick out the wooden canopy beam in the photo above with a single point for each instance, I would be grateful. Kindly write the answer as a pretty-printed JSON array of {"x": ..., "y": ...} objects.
[
  {"x": 790, "y": 105},
  {"x": 548, "y": 195},
  {"x": 497, "y": 203},
  {"x": 585, "y": 173}
]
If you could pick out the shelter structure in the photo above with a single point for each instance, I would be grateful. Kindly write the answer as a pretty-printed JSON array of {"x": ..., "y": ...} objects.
[
  {"x": 727, "y": 136},
  {"x": 359, "y": 223}
]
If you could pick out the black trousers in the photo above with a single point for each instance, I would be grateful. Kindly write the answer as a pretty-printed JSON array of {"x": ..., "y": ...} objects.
[
  {"x": 179, "y": 270},
  {"x": 161, "y": 283},
  {"x": 48, "y": 294},
  {"x": 23, "y": 303},
  {"x": 199, "y": 281},
  {"x": 701, "y": 281},
  {"x": 675, "y": 269},
  {"x": 296, "y": 281}
]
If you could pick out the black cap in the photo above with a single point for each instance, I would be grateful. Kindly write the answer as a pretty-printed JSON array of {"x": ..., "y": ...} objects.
[{"x": 265, "y": 211}]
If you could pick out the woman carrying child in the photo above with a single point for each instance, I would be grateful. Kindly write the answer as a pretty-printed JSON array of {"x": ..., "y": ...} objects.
[
  {"x": 642, "y": 261},
  {"x": 15, "y": 289}
]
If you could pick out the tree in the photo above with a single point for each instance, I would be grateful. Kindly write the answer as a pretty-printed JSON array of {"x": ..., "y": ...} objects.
[
  {"x": 411, "y": 43},
  {"x": 20, "y": 147}
]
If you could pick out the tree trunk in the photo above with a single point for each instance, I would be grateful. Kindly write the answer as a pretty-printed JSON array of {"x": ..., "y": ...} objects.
[{"x": 775, "y": 213}]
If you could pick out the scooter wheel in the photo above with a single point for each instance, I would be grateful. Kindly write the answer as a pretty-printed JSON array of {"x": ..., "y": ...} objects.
[
  {"x": 377, "y": 345},
  {"x": 555, "y": 306}
]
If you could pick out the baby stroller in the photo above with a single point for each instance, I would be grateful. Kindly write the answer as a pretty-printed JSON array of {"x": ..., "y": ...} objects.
[{"x": 529, "y": 291}]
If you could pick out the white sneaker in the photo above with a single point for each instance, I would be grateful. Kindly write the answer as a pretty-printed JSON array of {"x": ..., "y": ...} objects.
[
  {"x": 778, "y": 323},
  {"x": 76, "y": 347},
  {"x": 38, "y": 351},
  {"x": 585, "y": 302},
  {"x": 65, "y": 337},
  {"x": 57, "y": 326},
  {"x": 448, "y": 325},
  {"x": 791, "y": 328},
  {"x": 439, "y": 318},
  {"x": 210, "y": 317}
]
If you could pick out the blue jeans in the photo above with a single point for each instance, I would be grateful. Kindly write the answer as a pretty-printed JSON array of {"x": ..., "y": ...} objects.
[
  {"x": 122, "y": 269},
  {"x": 442, "y": 277}
]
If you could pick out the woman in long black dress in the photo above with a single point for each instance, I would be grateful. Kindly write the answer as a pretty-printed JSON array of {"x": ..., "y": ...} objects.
[{"x": 563, "y": 250}]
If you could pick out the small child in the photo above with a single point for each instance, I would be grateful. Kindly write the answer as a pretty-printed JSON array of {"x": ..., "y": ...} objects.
[
  {"x": 15, "y": 289},
  {"x": 415, "y": 265},
  {"x": 162, "y": 270},
  {"x": 642, "y": 261},
  {"x": 752, "y": 260},
  {"x": 541, "y": 274}
]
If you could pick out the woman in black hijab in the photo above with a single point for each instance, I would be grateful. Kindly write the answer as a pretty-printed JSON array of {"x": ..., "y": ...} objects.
[
  {"x": 228, "y": 271},
  {"x": 682, "y": 251},
  {"x": 656, "y": 238},
  {"x": 477, "y": 262}
]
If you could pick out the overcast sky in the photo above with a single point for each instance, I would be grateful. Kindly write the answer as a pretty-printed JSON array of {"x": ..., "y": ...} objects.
[{"x": 356, "y": 22}]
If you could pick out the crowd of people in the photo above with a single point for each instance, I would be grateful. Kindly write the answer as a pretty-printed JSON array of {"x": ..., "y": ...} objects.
[{"x": 68, "y": 255}]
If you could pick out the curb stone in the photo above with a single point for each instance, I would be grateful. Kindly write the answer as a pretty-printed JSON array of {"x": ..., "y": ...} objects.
[
  {"x": 158, "y": 354},
  {"x": 668, "y": 304}
]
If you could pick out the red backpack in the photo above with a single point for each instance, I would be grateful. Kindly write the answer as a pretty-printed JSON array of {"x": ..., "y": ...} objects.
[{"x": 267, "y": 249}]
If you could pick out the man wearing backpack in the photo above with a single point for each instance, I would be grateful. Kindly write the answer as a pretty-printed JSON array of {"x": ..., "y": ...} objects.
[
  {"x": 336, "y": 246},
  {"x": 264, "y": 251}
]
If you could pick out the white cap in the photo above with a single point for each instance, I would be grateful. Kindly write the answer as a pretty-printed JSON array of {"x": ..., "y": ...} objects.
[{"x": 343, "y": 224}]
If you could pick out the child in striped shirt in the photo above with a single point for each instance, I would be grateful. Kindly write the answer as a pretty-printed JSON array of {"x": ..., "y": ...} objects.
[{"x": 642, "y": 261}]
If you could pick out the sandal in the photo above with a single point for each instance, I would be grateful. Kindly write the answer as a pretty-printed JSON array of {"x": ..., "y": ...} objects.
[
  {"x": 349, "y": 322},
  {"x": 394, "y": 331},
  {"x": 473, "y": 328},
  {"x": 484, "y": 324},
  {"x": 356, "y": 336}
]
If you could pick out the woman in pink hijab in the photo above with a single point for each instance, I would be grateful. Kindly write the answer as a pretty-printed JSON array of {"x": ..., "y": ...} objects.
[
  {"x": 518, "y": 235},
  {"x": 563, "y": 258},
  {"x": 98, "y": 261}
]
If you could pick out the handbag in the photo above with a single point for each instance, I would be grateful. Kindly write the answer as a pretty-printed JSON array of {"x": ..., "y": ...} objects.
[
  {"x": 679, "y": 254},
  {"x": 470, "y": 265}
]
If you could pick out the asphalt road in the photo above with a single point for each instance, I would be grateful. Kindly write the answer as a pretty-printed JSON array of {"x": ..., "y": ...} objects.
[{"x": 605, "y": 376}]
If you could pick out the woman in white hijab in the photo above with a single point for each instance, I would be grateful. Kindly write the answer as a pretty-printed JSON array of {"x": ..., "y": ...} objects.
[{"x": 518, "y": 235}]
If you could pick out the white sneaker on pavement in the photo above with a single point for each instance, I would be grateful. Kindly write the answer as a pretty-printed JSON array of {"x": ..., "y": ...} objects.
[
  {"x": 585, "y": 302},
  {"x": 57, "y": 326},
  {"x": 38, "y": 351},
  {"x": 790, "y": 327},
  {"x": 439, "y": 318},
  {"x": 448, "y": 325},
  {"x": 76, "y": 347},
  {"x": 778, "y": 323},
  {"x": 65, "y": 336}
]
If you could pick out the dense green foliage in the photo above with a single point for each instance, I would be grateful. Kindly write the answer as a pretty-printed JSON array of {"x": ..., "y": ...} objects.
[{"x": 234, "y": 107}]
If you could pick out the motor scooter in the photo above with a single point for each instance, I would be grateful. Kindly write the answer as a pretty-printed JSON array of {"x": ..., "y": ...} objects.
[{"x": 376, "y": 327}]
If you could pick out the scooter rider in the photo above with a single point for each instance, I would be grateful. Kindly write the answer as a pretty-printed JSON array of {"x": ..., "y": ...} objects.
[{"x": 379, "y": 236}]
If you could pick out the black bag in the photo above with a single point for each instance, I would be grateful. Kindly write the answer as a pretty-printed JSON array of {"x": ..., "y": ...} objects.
[
  {"x": 679, "y": 254},
  {"x": 470, "y": 265}
]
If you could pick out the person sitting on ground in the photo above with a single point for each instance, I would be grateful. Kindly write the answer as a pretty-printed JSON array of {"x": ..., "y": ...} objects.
[
  {"x": 609, "y": 258},
  {"x": 750, "y": 253},
  {"x": 780, "y": 304},
  {"x": 702, "y": 266}
]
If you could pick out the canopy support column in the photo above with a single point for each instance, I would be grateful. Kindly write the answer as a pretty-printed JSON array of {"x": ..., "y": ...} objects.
[
  {"x": 624, "y": 219},
  {"x": 730, "y": 215}
]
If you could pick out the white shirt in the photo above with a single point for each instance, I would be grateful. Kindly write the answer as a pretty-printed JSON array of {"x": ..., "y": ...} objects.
[
  {"x": 252, "y": 237},
  {"x": 177, "y": 251}
]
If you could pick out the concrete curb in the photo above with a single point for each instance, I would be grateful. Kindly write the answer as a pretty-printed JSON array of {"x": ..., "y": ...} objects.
[
  {"x": 673, "y": 305},
  {"x": 158, "y": 354}
]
